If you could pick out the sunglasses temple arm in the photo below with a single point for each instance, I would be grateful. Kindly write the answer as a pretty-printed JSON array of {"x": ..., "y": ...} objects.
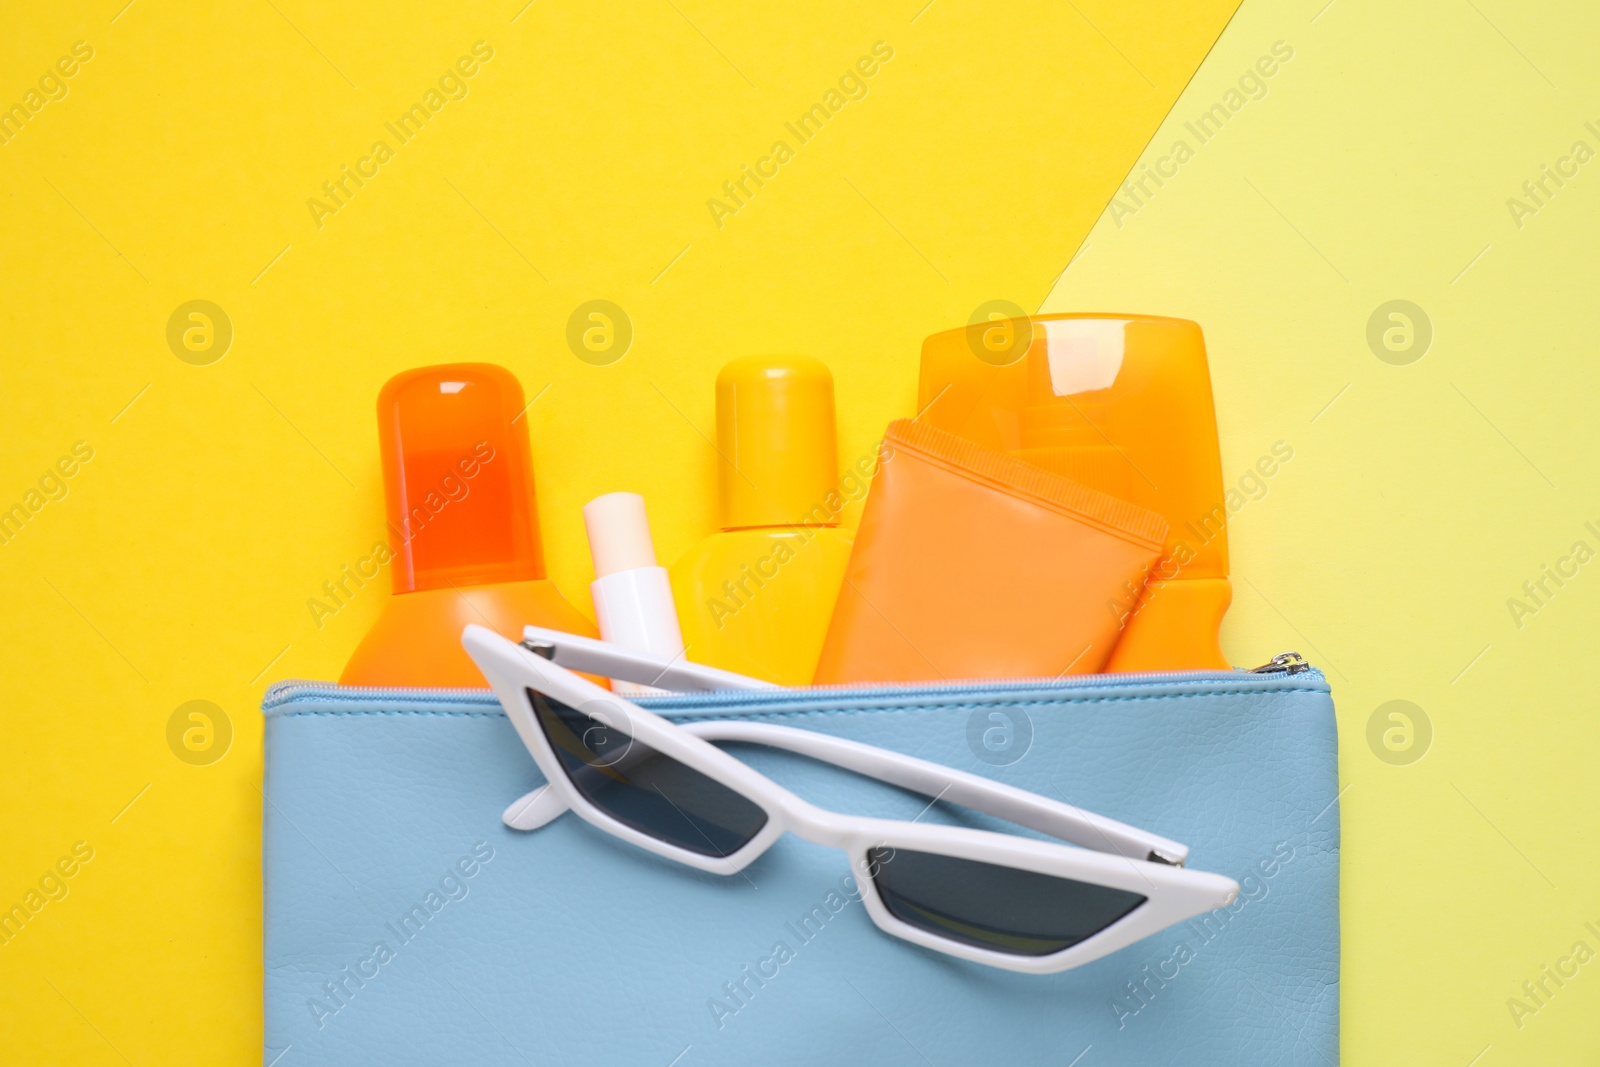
[
  {"x": 585, "y": 654},
  {"x": 1018, "y": 806},
  {"x": 543, "y": 805},
  {"x": 1060, "y": 820},
  {"x": 534, "y": 809},
  {"x": 1064, "y": 821}
]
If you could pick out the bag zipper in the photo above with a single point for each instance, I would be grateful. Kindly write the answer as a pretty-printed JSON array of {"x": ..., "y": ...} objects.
[{"x": 1284, "y": 663}]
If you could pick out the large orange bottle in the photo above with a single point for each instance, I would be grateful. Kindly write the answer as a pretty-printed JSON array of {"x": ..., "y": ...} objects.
[
  {"x": 1121, "y": 403},
  {"x": 463, "y": 527}
]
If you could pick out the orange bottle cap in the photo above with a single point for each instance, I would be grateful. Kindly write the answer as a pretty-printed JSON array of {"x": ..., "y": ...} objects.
[
  {"x": 1120, "y": 402},
  {"x": 457, "y": 478}
]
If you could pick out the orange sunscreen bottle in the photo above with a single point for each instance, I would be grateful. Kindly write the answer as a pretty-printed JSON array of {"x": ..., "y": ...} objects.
[
  {"x": 756, "y": 597},
  {"x": 972, "y": 564},
  {"x": 1121, "y": 403},
  {"x": 463, "y": 529}
]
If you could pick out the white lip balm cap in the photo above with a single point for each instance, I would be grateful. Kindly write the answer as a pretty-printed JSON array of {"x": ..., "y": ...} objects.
[{"x": 619, "y": 533}]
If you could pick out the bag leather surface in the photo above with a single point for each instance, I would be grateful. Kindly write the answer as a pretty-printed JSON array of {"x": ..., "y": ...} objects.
[{"x": 406, "y": 925}]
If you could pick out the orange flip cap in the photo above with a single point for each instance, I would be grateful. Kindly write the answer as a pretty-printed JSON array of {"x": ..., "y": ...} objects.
[
  {"x": 457, "y": 478},
  {"x": 1119, "y": 402}
]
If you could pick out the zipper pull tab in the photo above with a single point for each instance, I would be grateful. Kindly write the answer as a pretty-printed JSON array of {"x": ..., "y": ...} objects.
[{"x": 1283, "y": 663}]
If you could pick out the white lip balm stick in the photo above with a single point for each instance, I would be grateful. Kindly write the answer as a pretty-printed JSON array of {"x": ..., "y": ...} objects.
[{"x": 632, "y": 595}]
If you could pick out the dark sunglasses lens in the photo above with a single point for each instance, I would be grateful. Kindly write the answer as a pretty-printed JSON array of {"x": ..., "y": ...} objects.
[
  {"x": 641, "y": 788},
  {"x": 1000, "y": 908}
]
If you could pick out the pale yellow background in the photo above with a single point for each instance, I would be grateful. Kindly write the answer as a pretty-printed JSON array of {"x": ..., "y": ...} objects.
[
  {"x": 220, "y": 498},
  {"x": 1420, "y": 497}
]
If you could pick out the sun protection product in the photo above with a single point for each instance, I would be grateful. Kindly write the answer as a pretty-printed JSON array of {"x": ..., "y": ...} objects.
[
  {"x": 463, "y": 528},
  {"x": 1121, "y": 403},
  {"x": 632, "y": 596},
  {"x": 755, "y": 598},
  {"x": 972, "y": 564}
]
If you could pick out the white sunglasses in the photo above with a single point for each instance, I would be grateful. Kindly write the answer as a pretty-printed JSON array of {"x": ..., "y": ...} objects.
[{"x": 998, "y": 899}]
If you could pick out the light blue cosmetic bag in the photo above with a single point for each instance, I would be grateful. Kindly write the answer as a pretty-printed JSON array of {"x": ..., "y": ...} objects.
[{"x": 406, "y": 925}]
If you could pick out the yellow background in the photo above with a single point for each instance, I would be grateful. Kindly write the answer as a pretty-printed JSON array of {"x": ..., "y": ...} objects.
[
  {"x": 1377, "y": 168},
  {"x": 577, "y": 167}
]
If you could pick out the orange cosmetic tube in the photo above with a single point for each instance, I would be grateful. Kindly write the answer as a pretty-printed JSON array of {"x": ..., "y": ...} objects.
[
  {"x": 1121, "y": 403},
  {"x": 970, "y": 563}
]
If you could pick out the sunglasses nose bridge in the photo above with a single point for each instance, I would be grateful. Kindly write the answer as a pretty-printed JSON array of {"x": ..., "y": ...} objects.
[{"x": 821, "y": 827}]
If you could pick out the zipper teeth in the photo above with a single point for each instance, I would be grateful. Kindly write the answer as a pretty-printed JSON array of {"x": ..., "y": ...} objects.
[{"x": 281, "y": 692}]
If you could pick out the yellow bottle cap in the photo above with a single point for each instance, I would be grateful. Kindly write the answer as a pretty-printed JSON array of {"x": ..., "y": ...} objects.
[{"x": 775, "y": 430}]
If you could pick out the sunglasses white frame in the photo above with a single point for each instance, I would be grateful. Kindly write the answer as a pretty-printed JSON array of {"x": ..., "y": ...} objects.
[
  {"x": 1113, "y": 854},
  {"x": 578, "y": 653}
]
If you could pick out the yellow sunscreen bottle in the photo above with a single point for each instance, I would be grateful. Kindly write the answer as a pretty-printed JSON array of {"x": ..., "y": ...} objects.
[{"x": 756, "y": 598}]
